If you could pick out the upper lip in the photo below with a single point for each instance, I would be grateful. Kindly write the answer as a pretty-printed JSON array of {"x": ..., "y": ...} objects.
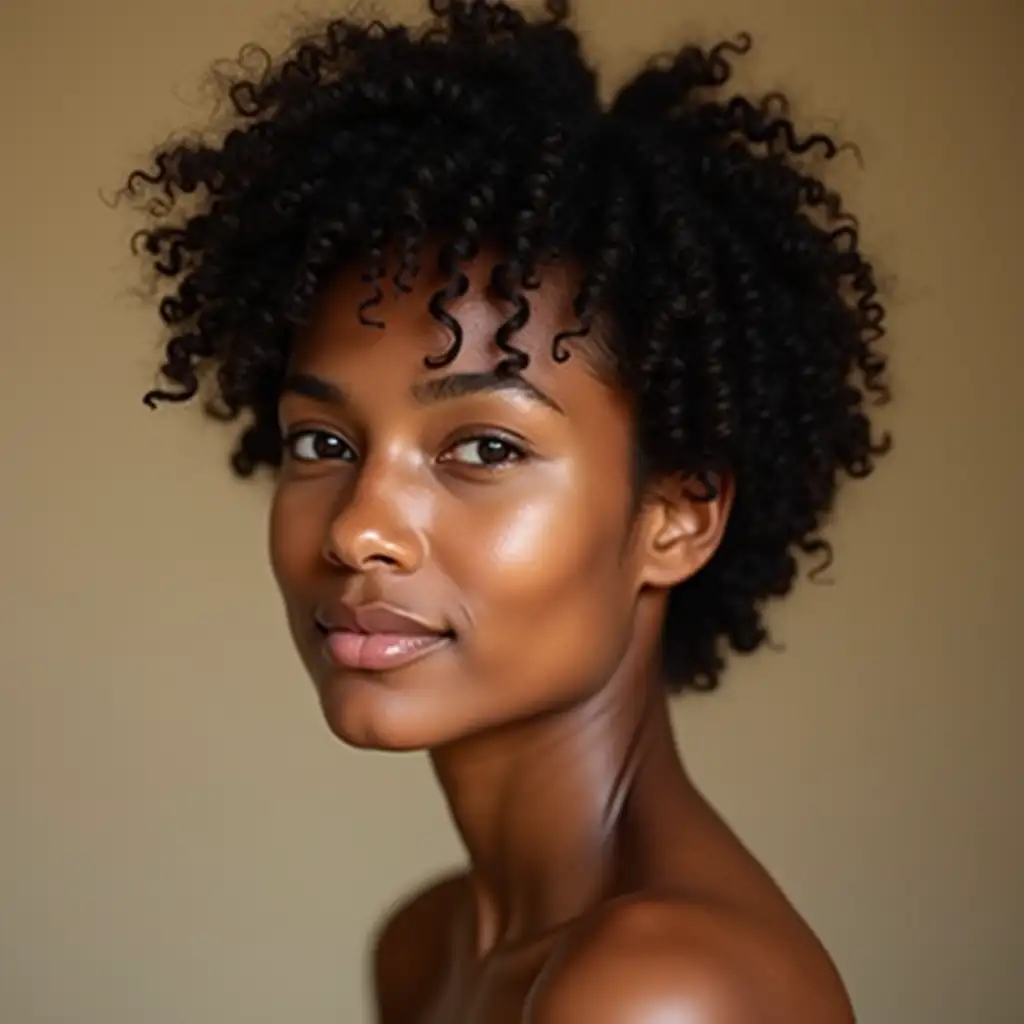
[{"x": 378, "y": 617}]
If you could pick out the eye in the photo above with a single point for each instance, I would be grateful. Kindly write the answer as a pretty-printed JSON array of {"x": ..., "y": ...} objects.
[
  {"x": 485, "y": 452},
  {"x": 317, "y": 445}
]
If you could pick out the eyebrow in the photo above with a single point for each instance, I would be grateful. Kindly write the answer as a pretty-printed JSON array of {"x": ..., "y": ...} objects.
[{"x": 429, "y": 392}]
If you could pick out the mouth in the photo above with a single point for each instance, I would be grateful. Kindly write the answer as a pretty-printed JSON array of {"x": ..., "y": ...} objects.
[
  {"x": 377, "y": 638},
  {"x": 380, "y": 652}
]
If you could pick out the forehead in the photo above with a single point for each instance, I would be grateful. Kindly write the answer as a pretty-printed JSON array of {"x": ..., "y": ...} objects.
[{"x": 362, "y": 357}]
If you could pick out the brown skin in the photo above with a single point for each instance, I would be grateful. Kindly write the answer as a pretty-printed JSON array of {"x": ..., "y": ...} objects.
[{"x": 602, "y": 886}]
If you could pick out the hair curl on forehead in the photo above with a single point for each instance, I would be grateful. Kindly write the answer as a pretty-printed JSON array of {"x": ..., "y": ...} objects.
[{"x": 733, "y": 298}]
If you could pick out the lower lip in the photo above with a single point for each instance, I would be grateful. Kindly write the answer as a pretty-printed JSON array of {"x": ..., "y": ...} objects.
[{"x": 376, "y": 652}]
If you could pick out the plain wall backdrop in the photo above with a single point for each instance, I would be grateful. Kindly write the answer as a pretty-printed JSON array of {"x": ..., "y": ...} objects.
[{"x": 181, "y": 840}]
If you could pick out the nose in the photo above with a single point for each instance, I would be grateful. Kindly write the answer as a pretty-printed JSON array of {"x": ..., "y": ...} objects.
[{"x": 375, "y": 526}]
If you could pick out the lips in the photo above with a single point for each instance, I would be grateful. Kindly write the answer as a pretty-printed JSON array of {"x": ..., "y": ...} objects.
[{"x": 377, "y": 637}]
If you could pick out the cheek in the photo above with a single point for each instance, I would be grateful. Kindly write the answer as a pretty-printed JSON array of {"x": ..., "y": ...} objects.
[
  {"x": 295, "y": 532},
  {"x": 280, "y": 537},
  {"x": 549, "y": 594}
]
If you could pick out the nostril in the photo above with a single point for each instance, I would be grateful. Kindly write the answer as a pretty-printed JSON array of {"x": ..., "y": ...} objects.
[
  {"x": 341, "y": 558},
  {"x": 365, "y": 543},
  {"x": 382, "y": 559}
]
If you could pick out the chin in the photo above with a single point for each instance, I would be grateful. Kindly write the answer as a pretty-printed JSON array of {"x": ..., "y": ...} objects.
[{"x": 370, "y": 714}]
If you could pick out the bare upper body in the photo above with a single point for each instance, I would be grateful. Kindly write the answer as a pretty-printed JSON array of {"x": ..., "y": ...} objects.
[{"x": 712, "y": 941}]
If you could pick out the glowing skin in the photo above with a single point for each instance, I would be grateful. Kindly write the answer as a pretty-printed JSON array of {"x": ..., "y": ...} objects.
[
  {"x": 500, "y": 515},
  {"x": 466, "y": 569}
]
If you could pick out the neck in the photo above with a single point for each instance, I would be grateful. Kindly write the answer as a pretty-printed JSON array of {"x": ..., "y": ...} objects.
[{"x": 546, "y": 809}]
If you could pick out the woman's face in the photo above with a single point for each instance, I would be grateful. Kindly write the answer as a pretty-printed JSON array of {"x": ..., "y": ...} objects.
[{"x": 497, "y": 517}]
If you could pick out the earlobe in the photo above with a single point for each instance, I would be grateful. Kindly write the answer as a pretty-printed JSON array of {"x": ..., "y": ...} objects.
[{"x": 686, "y": 521}]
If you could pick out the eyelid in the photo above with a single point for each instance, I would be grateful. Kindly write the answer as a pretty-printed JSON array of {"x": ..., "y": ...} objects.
[
  {"x": 490, "y": 434},
  {"x": 519, "y": 452},
  {"x": 476, "y": 431},
  {"x": 290, "y": 435}
]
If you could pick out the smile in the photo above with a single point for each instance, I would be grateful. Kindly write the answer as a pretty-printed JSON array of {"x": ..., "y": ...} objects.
[{"x": 379, "y": 652}]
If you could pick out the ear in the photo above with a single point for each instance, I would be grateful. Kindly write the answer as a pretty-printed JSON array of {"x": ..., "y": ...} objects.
[{"x": 683, "y": 522}]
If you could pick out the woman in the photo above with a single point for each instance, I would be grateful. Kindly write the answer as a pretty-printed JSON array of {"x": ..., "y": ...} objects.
[{"x": 553, "y": 393}]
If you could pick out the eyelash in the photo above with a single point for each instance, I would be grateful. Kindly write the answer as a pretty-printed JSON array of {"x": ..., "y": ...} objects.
[{"x": 517, "y": 450}]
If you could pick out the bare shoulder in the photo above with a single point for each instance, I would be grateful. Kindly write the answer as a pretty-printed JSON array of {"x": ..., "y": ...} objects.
[
  {"x": 653, "y": 959},
  {"x": 410, "y": 949}
]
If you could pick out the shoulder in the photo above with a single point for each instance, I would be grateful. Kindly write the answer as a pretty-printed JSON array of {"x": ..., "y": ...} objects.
[
  {"x": 651, "y": 959},
  {"x": 410, "y": 948}
]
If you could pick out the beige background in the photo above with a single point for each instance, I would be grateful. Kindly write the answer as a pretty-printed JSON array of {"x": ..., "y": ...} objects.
[{"x": 179, "y": 839}]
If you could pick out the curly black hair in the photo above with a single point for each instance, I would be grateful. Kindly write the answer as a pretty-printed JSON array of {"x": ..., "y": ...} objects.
[{"x": 726, "y": 277}]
